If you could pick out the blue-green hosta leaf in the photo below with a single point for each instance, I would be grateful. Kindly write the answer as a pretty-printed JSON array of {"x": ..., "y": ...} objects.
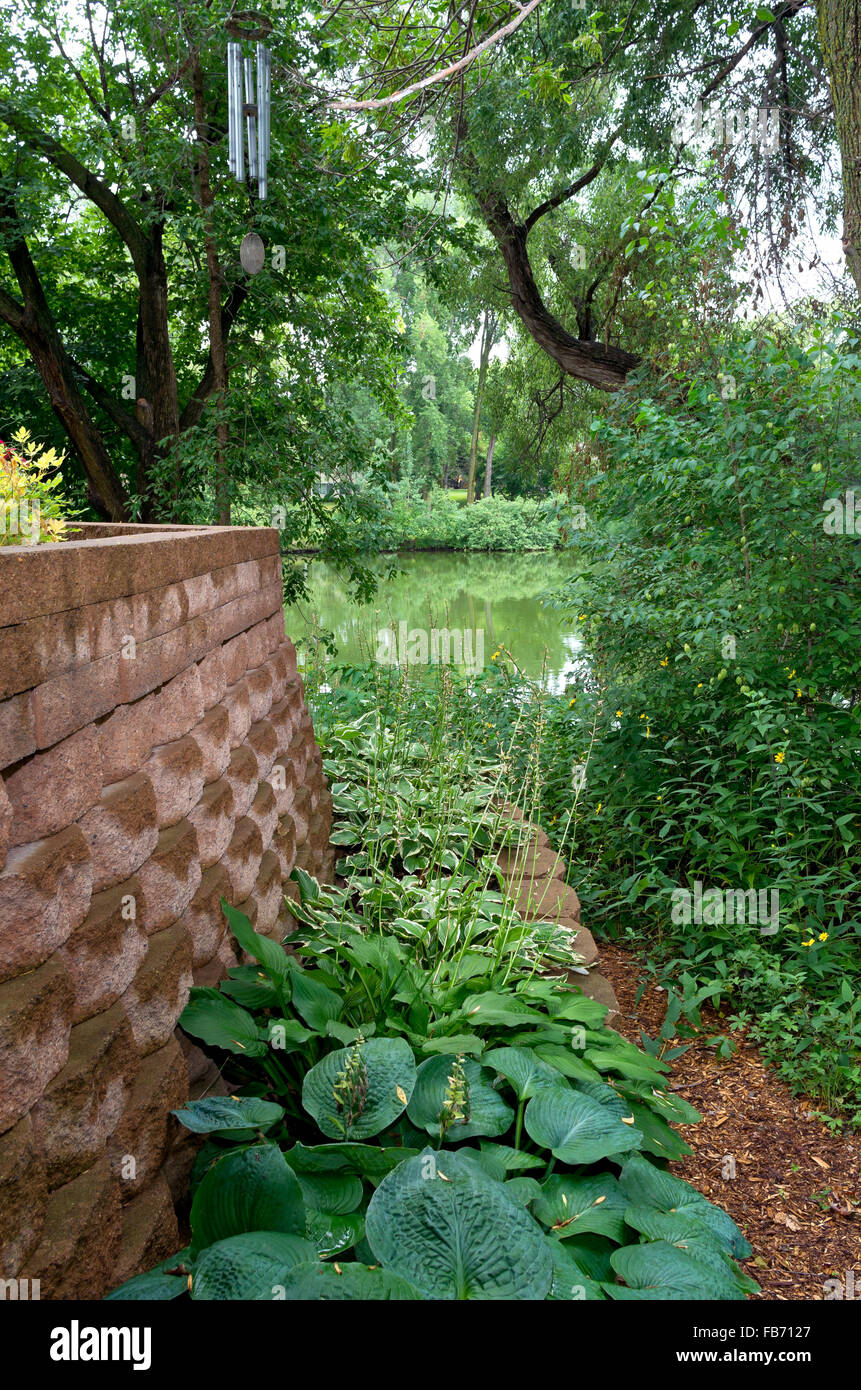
[
  {"x": 314, "y": 1002},
  {"x": 606, "y": 1095},
  {"x": 459, "y": 1042},
  {"x": 577, "y": 1008},
  {"x": 285, "y": 1034},
  {"x": 365, "y": 1159},
  {"x": 523, "y": 1070},
  {"x": 658, "y": 1138},
  {"x": 272, "y": 956},
  {"x": 522, "y": 1189},
  {"x": 570, "y": 1282},
  {"x": 388, "y": 1078},
  {"x": 332, "y": 1233},
  {"x": 504, "y": 1010},
  {"x": 221, "y": 1023},
  {"x": 576, "y": 1129},
  {"x": 627, "y": 1061},
  {"x": 250, "y": 987},
  {"x": 229, "y": 1117},
  {"x": 513, "y": 1160},
  {"x": 330, "y": 1282},
  {"x": 658, "y": 1270},
  {"x": 336, "y": 1193},
  {"x": 667, "y": 1104},
  {"x": 688, "y": 1233},
  {"x": 156, "y": 1283},
  {"x": 486, "y": 1113},
  {"x": 455, "y": 1234},
  {"x": 574, "y": 1206},
  {"x": 251, "y": 1267},
  {"x": 647, "y": 1186},
  {"x": 249, "y": 1190},
  {"x": 569, "y": 1062}
]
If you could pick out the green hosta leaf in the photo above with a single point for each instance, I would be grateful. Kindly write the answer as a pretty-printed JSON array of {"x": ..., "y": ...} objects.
[
  {"x": 252, "y": 1266},
  {"x": 513, "y": 1160},
  {"x": 330, "y": 1282},
  {"x": 574, "y": 1206},
  {"x": 460, "y": 1042},
  {"x": 272, "y": 957},
  {"x": 691, "y": 1235},
  {"x": 570, "y": 1282},
  {"x": 221, "y": 1023},
  {"x": 647, "y": 1186},
  {"x": 250, "y": 1190},
  {"x": 155, "y": 1284},
  {"x": 504, "y": 1010},
  {"x": 454, "y": 1233},
  {"x": 658, "y": 1138},
  {"x": 309, "y": 888},
  {"x": 658, "y": 1270},
  {"x": 486, "y": 1112},
  {"x": 249, "y": 986},
  {"x": 286, "y": 1034},
  {"x": 627, "y": 1062},
  {"x": 576, "y": 1129},
  {"x": 577, "y": 1008},
  {"x": 389, "y": 1075},
  {"x": 229, "y": 1118},
  {"x": 605, "y": 1095},
  {"x": 314, "y": 1002},
  {"x": 523, "y": 1190},
  {"x": 667, "y": 1104},
  {"x": 569, "y": 1062},
  {"x": 592, "y": 1253},
  {"x": 523, "y": 1070},
  {"x": 331, "y": 1232},
  {"x": 336, "y": 1193},
  {"x": 364, "y": 1159}
]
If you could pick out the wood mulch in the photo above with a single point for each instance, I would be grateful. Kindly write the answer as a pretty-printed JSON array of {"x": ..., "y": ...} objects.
[{"x": 796, "y": 1193}]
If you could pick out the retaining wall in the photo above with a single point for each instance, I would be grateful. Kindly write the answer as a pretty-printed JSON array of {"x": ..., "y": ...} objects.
[{"x": 156, "y": 755}]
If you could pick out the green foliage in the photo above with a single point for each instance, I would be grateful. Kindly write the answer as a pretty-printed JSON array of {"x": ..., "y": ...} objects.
[{"x": 32, "y": 507}]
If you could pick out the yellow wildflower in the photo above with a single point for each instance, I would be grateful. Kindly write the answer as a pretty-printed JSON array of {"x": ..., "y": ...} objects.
[
  {"x": 618, "y": 714},
  {"x": 598, "y": 807},
  {"x": 779, "y": 757},
  {"x": 823, "y": 936},
  {"x": 665, "y": 661},
  {"x": 808, "y": 943}
]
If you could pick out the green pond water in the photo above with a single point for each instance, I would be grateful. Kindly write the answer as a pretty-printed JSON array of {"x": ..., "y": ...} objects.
[{"x": 497, "y": 596}]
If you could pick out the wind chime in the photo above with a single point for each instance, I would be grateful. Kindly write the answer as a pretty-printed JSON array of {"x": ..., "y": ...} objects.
[{"x": 249, "y": 98}]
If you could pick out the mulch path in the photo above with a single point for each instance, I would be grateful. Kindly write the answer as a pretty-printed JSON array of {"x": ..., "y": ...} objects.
[{"x": 797, "y": 1193}]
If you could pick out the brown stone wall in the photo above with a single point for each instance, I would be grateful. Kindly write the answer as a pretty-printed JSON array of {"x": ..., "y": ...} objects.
[{"x": 156, "y": 755}]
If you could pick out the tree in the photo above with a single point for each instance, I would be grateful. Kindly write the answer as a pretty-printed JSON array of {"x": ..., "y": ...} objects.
[{"x": 840, "y": 39}]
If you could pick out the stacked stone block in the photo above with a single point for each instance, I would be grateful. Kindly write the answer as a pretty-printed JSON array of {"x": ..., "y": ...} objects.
[{"x": 156, "y": 756}]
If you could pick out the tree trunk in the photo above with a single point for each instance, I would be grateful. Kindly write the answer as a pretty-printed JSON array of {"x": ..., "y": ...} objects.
[
  {"x": 217, "y": 352},
  {"x": 840, "y": 40},
  {"x": 488, "y": 467},
  {"x": 488, "y": 329}
]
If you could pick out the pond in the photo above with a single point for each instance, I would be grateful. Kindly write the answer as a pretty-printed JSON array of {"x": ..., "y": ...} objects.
[{"x": 484, "y": 600}]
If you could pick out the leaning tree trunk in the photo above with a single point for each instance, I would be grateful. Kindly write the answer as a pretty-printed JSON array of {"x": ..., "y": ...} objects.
[
  {"x": 488, "y": 467},
  {"x": 840, "y": 40}
]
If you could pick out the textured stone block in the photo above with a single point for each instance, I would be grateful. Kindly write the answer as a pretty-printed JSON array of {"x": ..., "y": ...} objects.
[
  {"x": 263, "y": 742},
  {"x": 225, "y": 958},
  {"x": 158, "y": 611},
  {"x": 5, "y": 822},
  {"x": 65, "y": 703},
  {"x": 35, "y": 1023},
  {"x": 242, "y": 858},
  {"x": 259, "y": 684},
  {"x": 80, "y": 1238},
  {"x": 234, "y": 656},
  {"x": 45, "y": 891},
  {"x": 284, "y": 845},
  {"x": 213, "y": 678},
  {"x": 126, "y": 738},
  {"x": 300, "y": 812},
  {"x": 140, "y": 1141},
  {"x": 17, "y": 729},
  {"x": 140, "y": 669},
  {"x": 238, "y": 705},
  {"x": 176, "y": 773},
  {"x": 122, "y": 829},
  {"x": 183, "y": 647},
  {"x": 213, "y": 819},
  {"x": 50, "y": 790},
  {"x": 546, "y": 899},
  {"x": 149, "y": 1232},
  {"x": 282, "y": 717},
  {"x": 264, "y": 812},
  {"x": 282, "y": 780},
  {"x": 110, "y": 625},
  {"x": 263, "y": 906},
  {"x": 318, "y": 833},
  {"x": 529, "y": 863},
  {"x": 241, "y": 773},
  {"x": 23, "y": 1197},
  {"x": 257, "y": 644},
  {"x": 179, "y": 705},
  {"x": 159, "y": 992},
  {"x": 104, "y": 952},
  {"x": 32, "y": 651},
  {"x": 200, "y": 595},
  {"x": 81, "y": 1108},
  {"x": 170, "y": 877},
  {"x": 212, "y": 736},
  {"x": 204, "y": 918}
]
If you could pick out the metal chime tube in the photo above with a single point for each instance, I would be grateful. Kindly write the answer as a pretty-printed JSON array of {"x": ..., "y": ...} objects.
[
  {"x": 231, "y": 112},
  {"x": 235, "y": 91},
  {"x": 251, "y": 121},
  {"x": 264, "y": 107}
]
